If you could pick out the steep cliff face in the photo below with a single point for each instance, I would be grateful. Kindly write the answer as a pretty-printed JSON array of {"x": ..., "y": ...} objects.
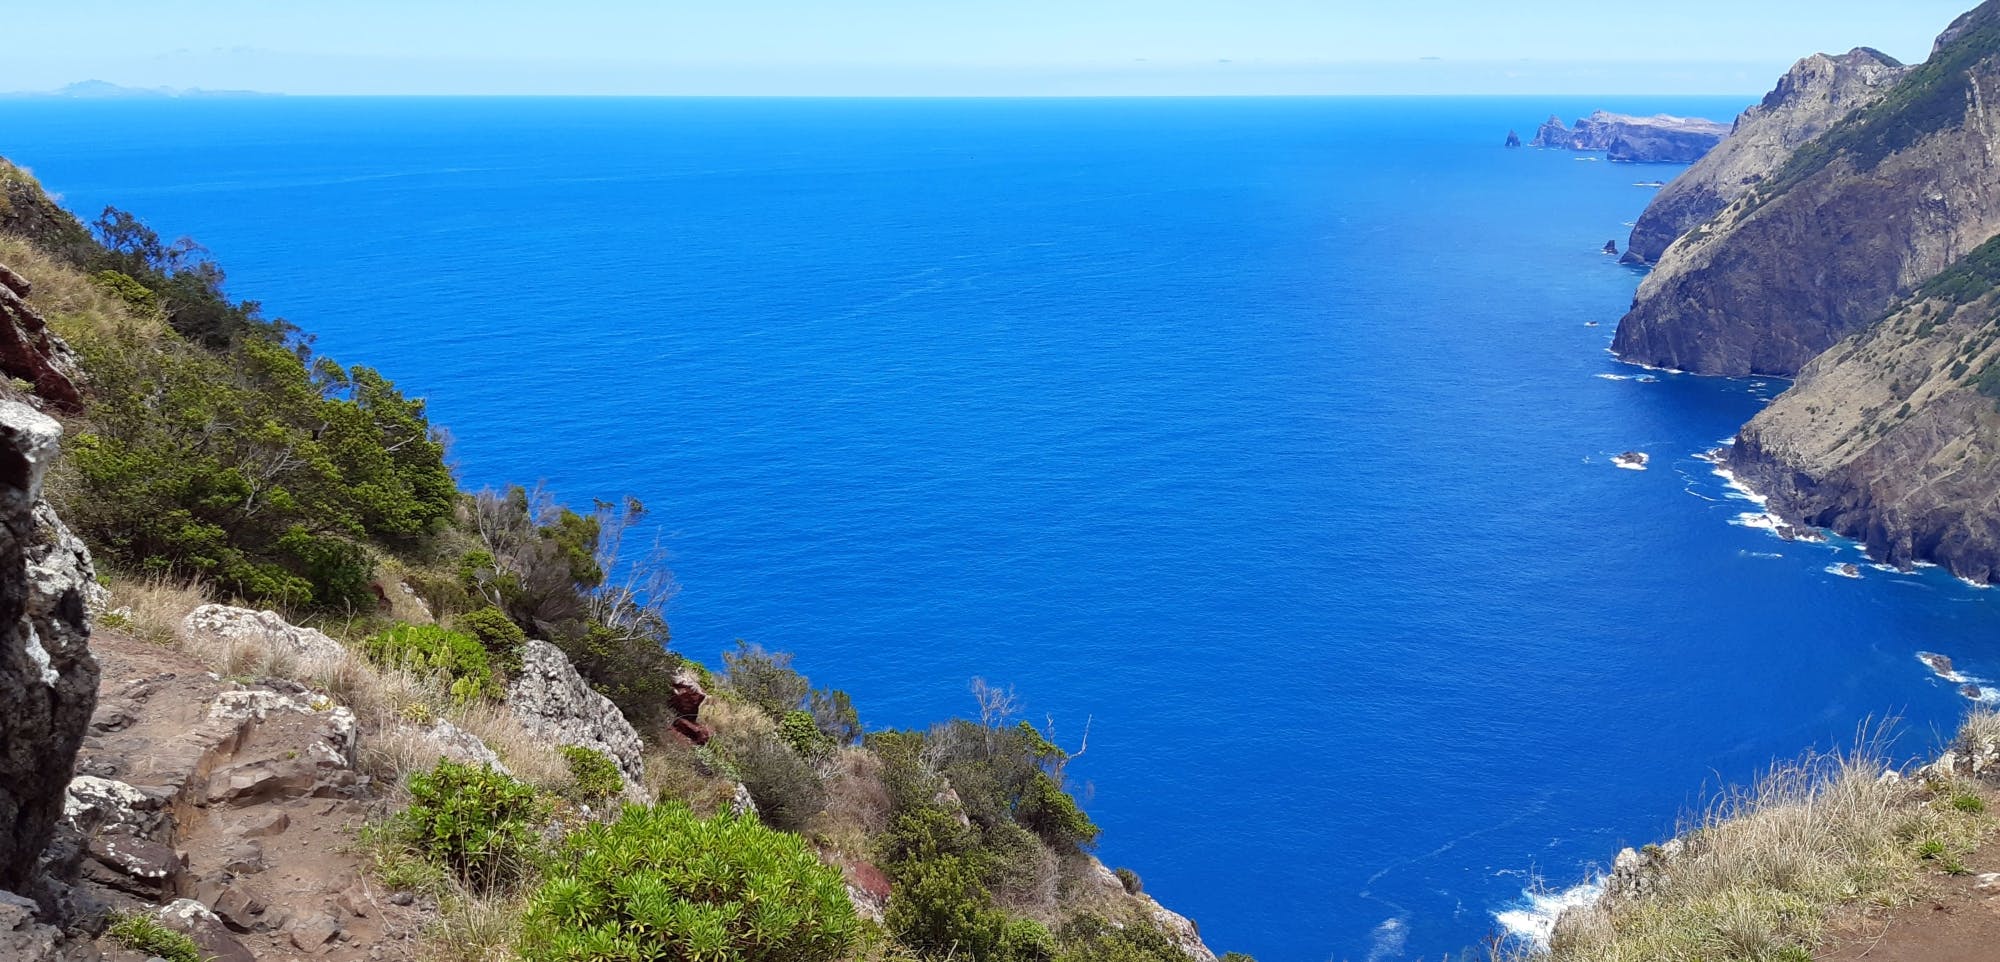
[
  {"x": 1817, "y": 92},
  {"x": 48, "y": 678},
  {"x": 1892, "y": 437},
  {"x": 1883, "y": 200}
]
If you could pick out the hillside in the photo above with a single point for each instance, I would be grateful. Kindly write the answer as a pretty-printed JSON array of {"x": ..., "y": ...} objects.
[
  {"x": 426, "y": 723},
  {"x": 1850, "y": 221}
]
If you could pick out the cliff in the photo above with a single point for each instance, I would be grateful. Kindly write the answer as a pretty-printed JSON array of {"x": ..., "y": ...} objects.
[
  {"x": 1816, "y": 93},
  {"x": 1624, "y": 138},
  {"x": 1892, "y": 437},
  {"x": 1853, "y": 219}
]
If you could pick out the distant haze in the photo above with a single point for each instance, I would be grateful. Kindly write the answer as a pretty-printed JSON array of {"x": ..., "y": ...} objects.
[{"x": 963, "y": 47}]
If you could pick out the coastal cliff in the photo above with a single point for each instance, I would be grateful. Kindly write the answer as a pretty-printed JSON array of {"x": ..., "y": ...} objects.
[
  {"x": 1892, "y": 437},
  {"x": 1816, "y": 93},
  {"x": 1883, "y": 200},
  {"x": 1628, "y": 139}
]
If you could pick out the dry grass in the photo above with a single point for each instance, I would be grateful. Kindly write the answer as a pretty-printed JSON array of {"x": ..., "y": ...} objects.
[
  {"x": 473, "y": 928},
  {"x": 1764, "y": 867},
  {"x": 152, "y": 608},
  {"x": 532, "y": 758},
  {"x": 73, "y": 304}
]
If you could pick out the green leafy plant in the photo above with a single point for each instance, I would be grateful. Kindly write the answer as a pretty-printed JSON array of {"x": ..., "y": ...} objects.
[
  {"x": 662, "y": 885},
  {"x": 497, "y": 633},
  {"x": 593, "y": 775},
  {"x": 478, "y": 823},
  {"x": 142, "y": 933},
  {"x": 429, "y": 649}
]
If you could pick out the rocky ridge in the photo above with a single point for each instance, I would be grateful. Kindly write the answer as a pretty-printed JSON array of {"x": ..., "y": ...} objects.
[
  {"x": 1629, "y": 139},
  {"x": 1883, "y": 200},
  {"x": 1817, "y": 92}
]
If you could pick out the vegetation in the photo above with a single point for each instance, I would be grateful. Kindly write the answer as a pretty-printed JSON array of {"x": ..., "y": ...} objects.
[
  {"x": 662, "y": 885},
  {"x": 477, "y": 823},
  {"x": 1761, "y": 872},
  {"x": 141, "y": 933},
  {"x": 593, "y": 775},
  {"x": 429, "y": 649}
]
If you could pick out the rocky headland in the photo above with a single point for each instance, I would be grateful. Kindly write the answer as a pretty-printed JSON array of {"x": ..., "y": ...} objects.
[{"x": 1660, "y": 139}]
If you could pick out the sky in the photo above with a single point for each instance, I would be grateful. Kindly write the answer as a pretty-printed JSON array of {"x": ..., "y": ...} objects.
[{"x": 951, "y": 47}]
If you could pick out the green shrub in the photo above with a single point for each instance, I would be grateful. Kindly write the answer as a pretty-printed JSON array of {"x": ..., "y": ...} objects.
[
  {"x": 143, "y": 934},
  {"x": 800, "y": 731},
  {"x": 497, "y": 633},
  {"x": 661, "y": 885},
  {"x": 429, "y": 649},
  {"x": 941, "y": 908},
  {"x": 766, "y": 679},
  {"x": 634, "y": 670},
  {"x": 786, "y": 788},
  {"x": 1968, "y": 803},
  {"x": 478, "y": 823},
  {"x": 1088, "y": 938},
  {"x": 1130, "y": 880},
  {"x": 1051, "y": 813},
  {"x": 593, "y": 775}
]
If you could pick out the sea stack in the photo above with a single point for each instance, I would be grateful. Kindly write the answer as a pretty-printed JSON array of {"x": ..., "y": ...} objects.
[{"x": 1513, "y": 139}]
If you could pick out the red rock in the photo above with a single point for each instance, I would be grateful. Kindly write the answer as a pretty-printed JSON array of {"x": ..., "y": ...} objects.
[
  {"x": 694, "y": 731},
  {"x": 688, "y": 694}
]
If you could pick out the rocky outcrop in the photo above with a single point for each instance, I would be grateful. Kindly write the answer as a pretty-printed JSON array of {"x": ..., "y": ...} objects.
[
  {"x": 1892, "y": 437},
  {"x": 1552, "y": 134},
  {"x": 1645, "y": 140},
  {"x": 552, "y": 700},
  {"x": 48, "y": 677},
  {"x": 1809, "y": 98},
  {"x": 30, "y": 351},
  {"x": 226, "y": 625},
  {"x": 1883, "y": 200},
  {"x": 1513, "y": 139}
]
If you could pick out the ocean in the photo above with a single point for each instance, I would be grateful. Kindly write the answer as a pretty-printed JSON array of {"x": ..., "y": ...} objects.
[{"x": 1267, "y": 441}]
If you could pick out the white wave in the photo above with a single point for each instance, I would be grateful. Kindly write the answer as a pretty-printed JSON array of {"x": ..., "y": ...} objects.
[
  {"x": 1974, "y": 584},
  {"x": 1738, "y": 489},
  {"x": 1759, "y": 554},
  {"x": 1618, "y": 377},
  {"x": 1941, "y": 667},
  {"x": 1843, "y": 570},
  {"x": 1630, "y": 461},
  {"x": 1534, "y": 920},
  {"x": 1388, "y": 940},
  {"x": 1756, "y": 519}
]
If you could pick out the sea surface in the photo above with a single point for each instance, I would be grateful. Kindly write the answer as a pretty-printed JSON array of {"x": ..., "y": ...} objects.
[{"x": 1268, "y": 441}]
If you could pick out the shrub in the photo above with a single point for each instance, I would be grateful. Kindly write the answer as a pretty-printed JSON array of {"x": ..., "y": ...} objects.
[
  {"x": 429, "y": 649},
  {"x": 1130, "y": 880},
  {"x": 632, "y": 670},
  {"x": 801, "y": 733},
  {"x": 142, "y": 934},
  {"x": 478, "y": 823},
  {"x": 593, "y": 775},
  {"x": 940, "y": 907},
  {"x": 497, "y": 633},
  {"x": 1051, "y": 813},
  {"x": 661, "y": 885},
  {"x": 1088, "y": 938},
  {"x": 1968, "y": 803},
  {"x": 766, "y": 679},
  {"x": 786, "y": 788}
]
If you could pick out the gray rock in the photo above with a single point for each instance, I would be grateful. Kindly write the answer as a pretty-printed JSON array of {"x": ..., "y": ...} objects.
[
  {"x": 1553, "y": 134},
  {"x": 223, "y": 623},
  {"x": 193, "y": 918},
  {"x": 550, "y": 699},
  {"x": 22, "y": 937},
  {"x": 48, "y": 677}
]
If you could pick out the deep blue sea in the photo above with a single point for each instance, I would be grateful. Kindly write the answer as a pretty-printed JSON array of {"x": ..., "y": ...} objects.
[{"x": 1269, "y": 438}]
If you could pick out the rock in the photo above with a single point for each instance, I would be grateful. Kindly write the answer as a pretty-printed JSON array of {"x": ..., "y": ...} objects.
[
  {"x": 1830, "y": 240},
  {"x": 552, "y": 700},
  {"x": 197, "y": 922},
  {"x": 1816, "y": 92},
  {"x": 1513, "y": 139},
  {"x": 1631, "y": 460},
  {"x": 22, "y": 937},
  {"x": 1553, "y": 134},
  {"x": 223, "y": 624},
  {"x": 740, "y": 802},
  {"x": 695, "y": 732},
  {"x": 868, "y": 888},
  {"x": 1988, "y": 882},
  {"x": 48, "y": 678},
  {"x": 1938, "y": 664},
  {"x": 103, "y": 806},
  {"x": 1611, "y": 247},
  {"x": 463, "y": 746},
  {"x": 135, "y": 865},
  {"x": 261, "y": 782},
  {"x": 688, "y": 694},
  {"x": 31, "y": 352},
  {"x": 312, "y": 931}
]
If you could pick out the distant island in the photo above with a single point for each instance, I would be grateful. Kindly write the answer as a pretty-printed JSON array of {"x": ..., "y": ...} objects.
[
  {"x": 105, "y": 90},
  {"x": 1660, "y": 139}
]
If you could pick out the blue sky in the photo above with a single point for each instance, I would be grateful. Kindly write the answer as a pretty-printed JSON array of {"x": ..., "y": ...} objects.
[{"x": 951, "y": 47}]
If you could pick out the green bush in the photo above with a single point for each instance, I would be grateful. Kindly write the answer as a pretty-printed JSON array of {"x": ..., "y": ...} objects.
[
  {"x": 1130, "y": 880},
  {"x": 799, "y": 730},
  {"x": 497, "y": 633},
  {"x": 1088, "y": 938},
  {"x": 429, "y": 649},
  {"x": 476, "y": 822},
  {"x": 786, "y": 788},
  {"x": 633, "y": 669},
  {"x": 661, "y": 885},
  {"x": 1051, "y": 813},
  {"x": 941, "y": 908},
  {"x": 593, "y": 775},
  {"x": 142, "y": 934}
]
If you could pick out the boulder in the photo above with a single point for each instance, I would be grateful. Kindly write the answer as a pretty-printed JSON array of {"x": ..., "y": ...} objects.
[
  {"x": 33, "y": 353},
  {"x": 225, "y": 624},
  {"x": 551, "y": 700},
  {"x": 197, "y": 922},
  {"x": 22, "y": 938},
  {"x": 48, "y": 677}
]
